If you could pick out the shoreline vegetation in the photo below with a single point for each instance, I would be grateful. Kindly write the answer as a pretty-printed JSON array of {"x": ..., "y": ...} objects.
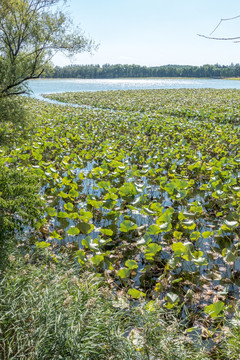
[
  {"x": 116, "y": 71},
  {"x": 136, "y": 78},
  {"x": 119, "y": 228}
]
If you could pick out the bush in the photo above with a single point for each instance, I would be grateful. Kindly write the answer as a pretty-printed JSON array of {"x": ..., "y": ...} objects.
[
  {"x": 20, "y": 206},
  {"x": 13, "y": 117},
  {"x": 12, "y": 110}
]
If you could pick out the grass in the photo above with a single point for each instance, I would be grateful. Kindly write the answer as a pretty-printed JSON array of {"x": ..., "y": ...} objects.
[{"x": 49, "y": 312}]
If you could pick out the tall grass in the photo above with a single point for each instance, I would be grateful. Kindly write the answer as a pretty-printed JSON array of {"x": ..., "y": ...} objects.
[{"x": 48, "y": 311}]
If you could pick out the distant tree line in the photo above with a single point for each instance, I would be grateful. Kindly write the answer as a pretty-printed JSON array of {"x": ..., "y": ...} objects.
[{"x": 108, "y": 71}]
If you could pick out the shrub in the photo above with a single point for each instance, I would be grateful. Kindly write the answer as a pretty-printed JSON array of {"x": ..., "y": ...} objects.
[{"x": 20, "y": 206}]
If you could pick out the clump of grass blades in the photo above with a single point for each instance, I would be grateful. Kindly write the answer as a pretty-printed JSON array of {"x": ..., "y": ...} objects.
[
  {"x": 231, "y": 344},
  {"x": 50, "y": 312}
]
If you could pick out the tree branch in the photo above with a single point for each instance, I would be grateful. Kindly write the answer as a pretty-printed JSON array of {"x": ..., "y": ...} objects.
[
  {"x": 227, "y": 19},
  {"x": 219, "y": 38},
  {"x": 20, "y": 82}
]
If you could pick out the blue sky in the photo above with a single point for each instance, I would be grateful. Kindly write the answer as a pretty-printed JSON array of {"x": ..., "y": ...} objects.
[{"x": 156, "y": 32}]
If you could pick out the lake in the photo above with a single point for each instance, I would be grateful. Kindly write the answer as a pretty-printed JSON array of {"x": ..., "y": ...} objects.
[{"x": 43, "y": 86}]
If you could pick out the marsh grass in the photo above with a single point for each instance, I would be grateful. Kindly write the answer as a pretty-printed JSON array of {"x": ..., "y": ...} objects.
[
  {"x": 52, "y": 312},
  {"x": 231, "y": 343}
]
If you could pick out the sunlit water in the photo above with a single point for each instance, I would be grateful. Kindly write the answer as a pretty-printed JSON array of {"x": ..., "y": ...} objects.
[{"x": 47, "y": 86}]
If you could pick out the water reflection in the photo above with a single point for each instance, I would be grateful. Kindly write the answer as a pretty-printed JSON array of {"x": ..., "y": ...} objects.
[{"x": 43, "y": 86}]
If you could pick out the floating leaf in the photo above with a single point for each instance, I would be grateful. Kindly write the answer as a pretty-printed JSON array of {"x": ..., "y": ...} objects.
[
  {"x": 51, "y": 211},
  {"x": 177, "y": 234},
  {"x": 107, "y": 232},
  {"x": 179, "y": 248},
  {"x": 201, "y": 261},
  {"x": 195, "y": 235},
  {"x": 230, "y": 224},
  {"x": 228, "y": 255},
  {"x": 207, "y": 234},
  {"x": 73, "y": 231},
  {"x": 151, "y": 250},
  {"x": 63, "y": 195},
  {"x": 127, "y": 190},
  {"x": 188, "y": 224},
  {"x": 172, "y": 300},
  {"x": 136, "y": 294},
  {"x": 214, "y": 309},
  {"x": 55, "y": 235},
  {"x": 131, "y": 264},
  {"x": 63, "y": 215},
  {"x": 97, "y": 259},
  {"x": 68, "y": 206},
  {"x": 73, "y": 193},
  {"x": 124, "y": 273},
  {"x": 127, "y": 226},
  {"x": 153, "y": 230},
  {"x": 42, "y": 245},
  {"x": 85, "y": 228},
  {"x": 80, "y": 254},
  {"x": 90, "y": 243}
]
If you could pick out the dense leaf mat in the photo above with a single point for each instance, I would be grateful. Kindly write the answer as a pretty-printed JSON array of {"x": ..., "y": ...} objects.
[{"x": 147, "y": 194}]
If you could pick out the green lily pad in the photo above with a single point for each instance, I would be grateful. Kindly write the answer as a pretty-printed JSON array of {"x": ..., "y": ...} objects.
[
  {"x": 214, "y": 309},
  {"x": 127, "y": 226}
]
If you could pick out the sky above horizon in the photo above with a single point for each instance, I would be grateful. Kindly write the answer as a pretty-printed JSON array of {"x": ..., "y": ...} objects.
[{"x": 156, "y": 32}]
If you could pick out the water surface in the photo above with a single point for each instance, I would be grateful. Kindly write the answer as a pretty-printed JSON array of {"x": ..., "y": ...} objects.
[{"x": 48, "y": 86}]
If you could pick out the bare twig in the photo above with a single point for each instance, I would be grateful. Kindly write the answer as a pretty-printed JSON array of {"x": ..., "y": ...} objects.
[
  {"x": 236, "y": 38},
  {"x": 232, "y": 18}
]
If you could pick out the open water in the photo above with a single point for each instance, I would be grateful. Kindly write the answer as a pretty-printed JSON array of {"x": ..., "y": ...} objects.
[{"x": 47, "y": 86}]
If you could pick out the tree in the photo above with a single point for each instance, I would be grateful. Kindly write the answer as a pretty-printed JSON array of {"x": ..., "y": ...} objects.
[{"x": 31, "y": 33}]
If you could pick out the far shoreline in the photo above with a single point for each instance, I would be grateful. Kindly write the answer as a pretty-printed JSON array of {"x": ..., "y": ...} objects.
[{"x": 139, "y": 78}]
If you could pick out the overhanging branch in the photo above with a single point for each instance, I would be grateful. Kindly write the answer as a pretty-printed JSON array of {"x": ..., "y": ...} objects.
[
  {"x": 222, "y": 20},
  {"x": 219, "y": 38},
  {"x": 235, "y": 39}
]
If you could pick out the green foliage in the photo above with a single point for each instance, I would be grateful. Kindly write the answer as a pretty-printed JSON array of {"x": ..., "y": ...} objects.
[
  {"x": 136, "y": 294},
  {"x": 116, "y": 71},
  {"x": 68, "y": 317},
  {"x": 215, "y": 309},
  {"x": 157, "y": 201},
  {"x": 231, "y": 343},
  {"x": 13, "y": 116},
  {"x": 30, "y": 33},
  {"x": 127, "y": 226},
  {"x": 75, "y": 316},
  {"x": 73, "y": 231},
  {"x": 20, "y": 207},
  {"x": 12, "y": 110},
  {"x": 155, "y": 204},
  {"x": 153, "y": 189},
  {"x": 20, "y": 203}
]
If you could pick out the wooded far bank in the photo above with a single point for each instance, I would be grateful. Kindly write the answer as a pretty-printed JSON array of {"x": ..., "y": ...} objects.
[{"x": 129, "y": 71}]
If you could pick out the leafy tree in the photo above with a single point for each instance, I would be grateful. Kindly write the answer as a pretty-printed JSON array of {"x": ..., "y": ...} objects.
[
  {"x": 31, "y": 32},
  {"x": 126, "y": 71}
]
